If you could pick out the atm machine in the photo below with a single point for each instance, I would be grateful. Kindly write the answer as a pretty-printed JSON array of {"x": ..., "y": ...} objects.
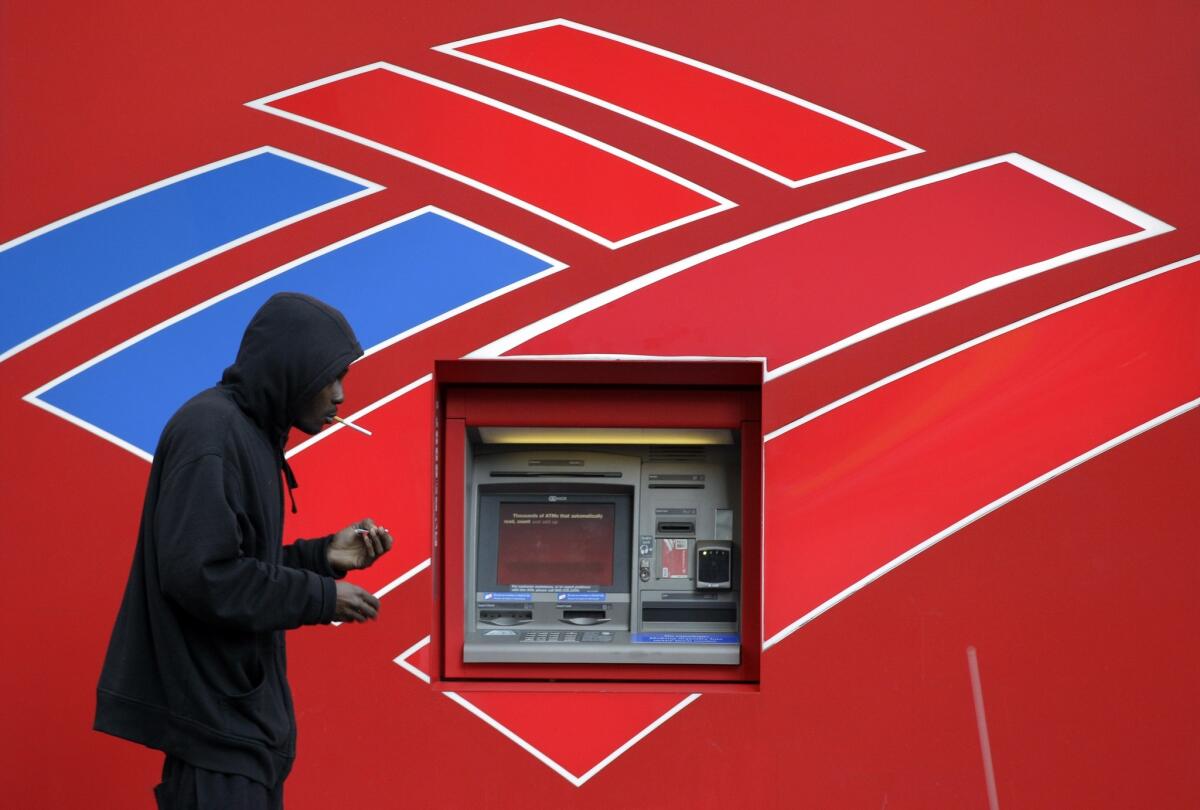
[
  {"x": 597, "y": 522},
  {"x": 604, "y": 554}
]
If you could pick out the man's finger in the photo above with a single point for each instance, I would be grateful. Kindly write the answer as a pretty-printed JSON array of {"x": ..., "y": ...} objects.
[
  {"x": 387, "y": 539},
  {"x": 366, "y": 608},
  {"x": 377, "y": 540},
  {"x": 371, "y": 600}
]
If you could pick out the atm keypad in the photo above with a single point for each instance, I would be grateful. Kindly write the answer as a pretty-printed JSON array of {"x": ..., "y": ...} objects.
[
  {"x": 565, "y": 636},
  {"x": 549, "y": 636}
]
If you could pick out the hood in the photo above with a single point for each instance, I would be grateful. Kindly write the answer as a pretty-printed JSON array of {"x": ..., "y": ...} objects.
[{"x": 294, "y": 346}]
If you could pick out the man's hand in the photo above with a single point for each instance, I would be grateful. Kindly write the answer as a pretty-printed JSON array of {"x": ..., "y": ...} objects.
[
  {"x": 354, "y": 604},
  {"x": 358, "y": 546}
]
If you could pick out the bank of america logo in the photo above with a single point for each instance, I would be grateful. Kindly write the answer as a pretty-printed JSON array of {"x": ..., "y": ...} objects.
[{"x": 804, "y": 288}]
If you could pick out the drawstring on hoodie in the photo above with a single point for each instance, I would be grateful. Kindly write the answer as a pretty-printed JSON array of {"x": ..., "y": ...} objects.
[{"x": 290, "y": 477}]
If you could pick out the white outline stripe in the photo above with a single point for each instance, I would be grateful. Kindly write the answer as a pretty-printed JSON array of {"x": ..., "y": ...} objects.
[
  {"x": 985, "y": 744},
  {"x": 1004, "y": 499},
  {"x": 722, "y": 204},
  {"x": 369, "y": 188},
  {"x": 34, "y": 397},
  {"x": 400, "y": 580},
  {"x": 359, "y": 414},
  {"x": 90, "y": 428},
  {"x": 1150, "y": 227},
  {"x": 402, "y": 659},
  {"x": 577, "y": 781},
  {"x": 906, "y": 149},
  {"x": 397, "y": 582},
  {"x": 970, "y": 344},
  {"x": 976, "y": 515}
]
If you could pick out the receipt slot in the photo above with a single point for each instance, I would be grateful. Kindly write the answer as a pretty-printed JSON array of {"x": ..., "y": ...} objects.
[{"x": 597, "y": 522}]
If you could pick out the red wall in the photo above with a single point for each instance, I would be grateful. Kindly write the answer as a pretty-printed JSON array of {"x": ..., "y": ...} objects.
[{"x": 1064, "y": 617}]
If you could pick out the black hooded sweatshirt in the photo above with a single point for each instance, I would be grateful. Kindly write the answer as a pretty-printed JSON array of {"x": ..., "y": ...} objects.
[{"x": 196, "y": 666}]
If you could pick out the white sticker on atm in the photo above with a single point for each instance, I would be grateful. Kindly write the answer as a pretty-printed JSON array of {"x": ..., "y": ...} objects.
[
  {"x": 500, "y": 633},
  {"x": 507, "y": 597},
  {"x": 585, "y": 596}
]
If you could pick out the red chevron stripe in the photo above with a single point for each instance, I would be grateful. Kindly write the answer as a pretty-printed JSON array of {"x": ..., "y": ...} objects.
[
  {"x": 853, "y": 490},
  {"x": 578, "y": 182},
  {"x": 776, "y": 134},
  {"x": 800, "y": 289}
]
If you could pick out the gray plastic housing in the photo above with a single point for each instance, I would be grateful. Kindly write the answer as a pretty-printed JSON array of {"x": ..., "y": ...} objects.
[{"x": 652, "y": 610}]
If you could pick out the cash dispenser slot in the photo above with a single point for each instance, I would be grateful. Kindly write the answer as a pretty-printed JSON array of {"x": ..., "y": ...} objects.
[
  {"x": 505, "y": 618},
  {"x": 584, "y": 617}
]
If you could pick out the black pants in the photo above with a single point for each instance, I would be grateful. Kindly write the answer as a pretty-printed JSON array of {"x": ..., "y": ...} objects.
[{"x": 185, "y": 787}]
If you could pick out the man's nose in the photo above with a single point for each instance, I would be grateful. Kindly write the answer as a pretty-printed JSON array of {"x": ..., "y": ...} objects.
[{"x": 339, "y": 394}]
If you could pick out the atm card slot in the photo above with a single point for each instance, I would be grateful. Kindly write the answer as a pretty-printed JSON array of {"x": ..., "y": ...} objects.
[{"x": 676, "y": 481}]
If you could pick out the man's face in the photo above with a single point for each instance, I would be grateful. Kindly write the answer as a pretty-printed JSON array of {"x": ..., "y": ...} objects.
[{"x": 321, "y": 409}]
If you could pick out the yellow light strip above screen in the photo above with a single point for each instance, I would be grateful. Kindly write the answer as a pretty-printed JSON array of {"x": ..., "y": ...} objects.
[{"x": 570, "y": 435}]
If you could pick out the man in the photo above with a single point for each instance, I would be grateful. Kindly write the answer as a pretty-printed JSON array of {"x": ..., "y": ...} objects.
[{"x": 196, "y": 665}]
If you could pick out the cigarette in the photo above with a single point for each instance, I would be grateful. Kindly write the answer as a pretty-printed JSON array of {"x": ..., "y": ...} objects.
[{"x": 362, "y": 430}]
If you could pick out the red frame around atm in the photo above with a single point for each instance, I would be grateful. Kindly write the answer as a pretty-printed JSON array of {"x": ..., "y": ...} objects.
[{"x": 721, "y": 394}]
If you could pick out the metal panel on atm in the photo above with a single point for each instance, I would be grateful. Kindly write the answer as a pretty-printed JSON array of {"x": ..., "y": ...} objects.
[{"x": 665, "y": 501}]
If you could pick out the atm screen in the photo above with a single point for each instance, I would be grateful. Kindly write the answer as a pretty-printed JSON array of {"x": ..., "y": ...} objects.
[
  {"x": 542, "y": 543},
  {"x": 554, "y": 538}
]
